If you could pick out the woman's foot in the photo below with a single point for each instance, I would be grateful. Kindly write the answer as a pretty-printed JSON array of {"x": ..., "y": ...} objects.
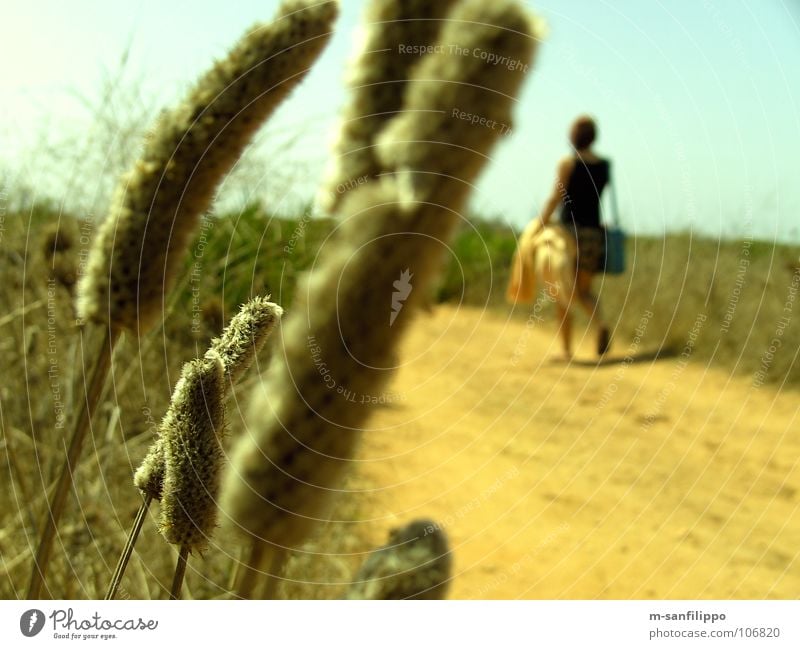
[
  {"x": 603, "y": 341},
  {"x": 560, "y": 359}
]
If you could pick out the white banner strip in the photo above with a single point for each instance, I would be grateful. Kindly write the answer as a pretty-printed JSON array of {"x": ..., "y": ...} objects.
[{"x": 401, "y": 625}]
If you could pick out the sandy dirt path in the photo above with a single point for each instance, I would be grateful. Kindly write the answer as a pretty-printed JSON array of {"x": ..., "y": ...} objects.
[{"x": 651, "y": 479}]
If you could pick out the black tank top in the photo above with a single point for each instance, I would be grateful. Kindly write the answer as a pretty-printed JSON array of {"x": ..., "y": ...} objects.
[{"x": 580, "y": 202}]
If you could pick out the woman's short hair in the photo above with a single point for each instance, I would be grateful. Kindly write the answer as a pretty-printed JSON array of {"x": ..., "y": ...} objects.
[{"x": 583, "y": 132}]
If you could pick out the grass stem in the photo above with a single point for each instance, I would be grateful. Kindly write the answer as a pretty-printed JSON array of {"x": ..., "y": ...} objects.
[
  {"x": 127, "y": 551},
  {"x": 273, "y": 577},
  {"x": 66, "y": 478},
  {"x": 250, "y": 572},
  {"x": 180, "y": 572}
]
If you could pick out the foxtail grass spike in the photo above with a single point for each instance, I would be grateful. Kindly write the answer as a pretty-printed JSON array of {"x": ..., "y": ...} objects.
[
  {"x": 415, "y": 563},
  {"x": 460, "y": 100},
  {"x": 191, "y": 434},
  {"x": 158, "y": 203},
  {"x": 149, "y": 477},
  {"x": 245, "y": 335},
  {"x": 394, "y": 37},
  {"x": 237, "y": 347},
  {"x": 340, "y": 341}
]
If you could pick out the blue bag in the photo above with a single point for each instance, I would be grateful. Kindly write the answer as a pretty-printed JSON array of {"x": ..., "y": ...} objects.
[
  {"x": 615, "y": 251},
  {"x": 615, "y": 240}
]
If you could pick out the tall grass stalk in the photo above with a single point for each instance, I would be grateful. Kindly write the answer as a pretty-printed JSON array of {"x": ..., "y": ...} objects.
[
  {"x": 158, "y": 203},
  {"x": 127, "y": 551},
  {"x": 260, "y": 574},
  {"x": 234, "y": 351},
  {"x": 377, "y": 81},
  {"x": 302, "y": 432},
  {"x": 65, "y": 481},
  {"x": 180, "y": 573}
]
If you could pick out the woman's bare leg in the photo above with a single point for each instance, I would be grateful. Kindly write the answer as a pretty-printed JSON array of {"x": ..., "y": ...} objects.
[
  {"x": 565, "y": 329},
  {"x": 588, "y": 300}
]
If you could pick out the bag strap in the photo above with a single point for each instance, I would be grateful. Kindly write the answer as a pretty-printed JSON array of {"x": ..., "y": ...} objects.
[{"x": 614, "y": 204}]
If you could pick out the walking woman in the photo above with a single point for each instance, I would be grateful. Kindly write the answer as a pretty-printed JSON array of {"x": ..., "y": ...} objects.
[{"x": 580, "y": 180}]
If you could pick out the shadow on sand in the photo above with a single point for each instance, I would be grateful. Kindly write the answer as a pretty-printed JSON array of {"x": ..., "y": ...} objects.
[{"x": 630, "y": 359}]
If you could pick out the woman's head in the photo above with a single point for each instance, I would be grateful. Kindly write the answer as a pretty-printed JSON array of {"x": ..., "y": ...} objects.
[{"x": 583, "y": 132}]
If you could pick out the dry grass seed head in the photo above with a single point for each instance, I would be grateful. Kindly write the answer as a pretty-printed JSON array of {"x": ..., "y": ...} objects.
[
  {"x": 394, "y": 37},
  {"x": 149, "y": 477},
  {"x": 236, "y": 348},
  {"x": 305, "y": 420},
  {"x": 245, "y": 335},
  {"x": 416, "y": 563},
  {"x": 434, "y": 145},
  {"x": 157, "y": 206},
  {"x": 193, "y": 454}
]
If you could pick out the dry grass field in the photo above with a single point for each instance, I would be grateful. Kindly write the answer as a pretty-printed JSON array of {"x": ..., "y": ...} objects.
[
  {"x": 45, "y": 364},
  {"x": 667, "y": 471}
]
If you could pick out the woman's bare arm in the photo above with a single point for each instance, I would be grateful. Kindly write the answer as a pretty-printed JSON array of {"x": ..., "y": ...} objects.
[{"x": 559, "y": 193}]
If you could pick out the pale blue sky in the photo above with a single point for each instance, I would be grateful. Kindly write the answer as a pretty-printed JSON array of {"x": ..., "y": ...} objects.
[{"x": 697, "y": 100}]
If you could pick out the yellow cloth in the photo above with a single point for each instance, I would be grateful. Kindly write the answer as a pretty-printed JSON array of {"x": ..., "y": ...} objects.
[{"x": 522, "y": 282}]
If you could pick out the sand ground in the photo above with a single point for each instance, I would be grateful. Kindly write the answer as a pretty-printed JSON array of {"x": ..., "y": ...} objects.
[{"x": 645, "y": 479}]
